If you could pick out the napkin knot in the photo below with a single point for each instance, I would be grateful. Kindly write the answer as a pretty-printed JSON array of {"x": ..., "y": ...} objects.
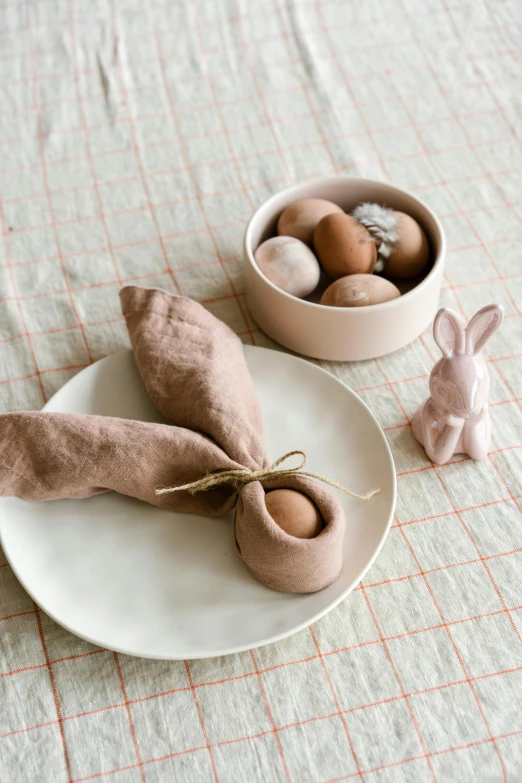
[{"x": 242, "y": 476}]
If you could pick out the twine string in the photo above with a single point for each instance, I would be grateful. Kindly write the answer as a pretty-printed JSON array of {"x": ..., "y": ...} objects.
[{"x": 242, "y": 476}]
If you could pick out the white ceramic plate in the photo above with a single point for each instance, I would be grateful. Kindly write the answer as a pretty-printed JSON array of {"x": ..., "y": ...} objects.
[{"x": 147, "y": 582}]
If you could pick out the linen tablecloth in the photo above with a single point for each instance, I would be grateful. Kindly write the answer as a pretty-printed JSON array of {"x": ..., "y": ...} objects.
[{"x": 137, "y": 138}]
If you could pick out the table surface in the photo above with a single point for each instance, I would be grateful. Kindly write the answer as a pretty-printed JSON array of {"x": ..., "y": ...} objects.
[{"x": 138, "y": 137}]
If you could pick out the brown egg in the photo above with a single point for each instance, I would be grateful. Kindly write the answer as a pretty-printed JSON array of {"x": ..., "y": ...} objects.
[
  {"x": 300, "y": 218},
  {"x": 289, "y": 264},
  {"x": 402, "y": 246},
  {"x": 344, "y": 246},
  {"x": 411, "y": 253},
  {"x": 359, "y": 291},
  {"x": 294, "y": 512}
]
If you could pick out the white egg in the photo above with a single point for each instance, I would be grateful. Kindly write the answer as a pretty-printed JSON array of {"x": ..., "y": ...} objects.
[{"x": 289, "y": 264}]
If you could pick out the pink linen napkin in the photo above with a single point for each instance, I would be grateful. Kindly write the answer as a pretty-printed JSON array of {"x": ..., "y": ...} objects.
[{"x": 194, "y": 370}]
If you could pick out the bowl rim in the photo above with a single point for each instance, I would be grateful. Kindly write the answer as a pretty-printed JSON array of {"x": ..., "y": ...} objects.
[{"x": 321, "y": 181}]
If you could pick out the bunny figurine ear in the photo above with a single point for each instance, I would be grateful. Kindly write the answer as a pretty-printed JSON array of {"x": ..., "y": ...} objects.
[
  {"x": 482, "y": 326},
  {"x": 448, "y": 332}
]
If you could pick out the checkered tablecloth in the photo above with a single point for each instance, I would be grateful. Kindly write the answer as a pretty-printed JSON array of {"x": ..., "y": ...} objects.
[{"x": 137, "y": 137}]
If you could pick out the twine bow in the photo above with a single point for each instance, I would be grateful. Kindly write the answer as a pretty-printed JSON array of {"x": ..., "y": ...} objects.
[{"x": 242, "y": 476}]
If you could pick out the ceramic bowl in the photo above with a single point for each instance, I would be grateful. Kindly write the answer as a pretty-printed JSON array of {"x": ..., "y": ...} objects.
[{"x": 343, "y": 333}]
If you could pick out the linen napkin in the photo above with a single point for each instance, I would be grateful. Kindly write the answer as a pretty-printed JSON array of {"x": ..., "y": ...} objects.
[{"x": 194, "y": 370}]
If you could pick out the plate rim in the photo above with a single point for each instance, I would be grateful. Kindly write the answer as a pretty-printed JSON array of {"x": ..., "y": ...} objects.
[{"x": 275, "y": 637}]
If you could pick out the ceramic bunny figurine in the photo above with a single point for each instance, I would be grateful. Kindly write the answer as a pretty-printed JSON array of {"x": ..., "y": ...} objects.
[{"x": 455, "y": 418}]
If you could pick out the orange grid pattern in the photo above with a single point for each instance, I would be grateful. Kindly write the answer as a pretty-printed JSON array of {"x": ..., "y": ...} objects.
[{"x": 137, "y": 139}]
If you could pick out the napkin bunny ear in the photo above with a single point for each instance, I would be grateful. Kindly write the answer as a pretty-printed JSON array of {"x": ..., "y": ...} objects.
[
  {"x": 448, "y": 332},
  {"x": 482, "y": 327},
  {"x": 49, "y": 456},
  {"x": 194, "y": 370}
]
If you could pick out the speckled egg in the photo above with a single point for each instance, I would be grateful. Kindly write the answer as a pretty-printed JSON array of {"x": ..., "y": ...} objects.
[
  {"x": 344, "y": 246},
  {"x": 294, "y": 512},
  {"x": 300, "y": 219},
  {"x": 289, "y": 264},
  {"x": 359, "y": 291}
]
